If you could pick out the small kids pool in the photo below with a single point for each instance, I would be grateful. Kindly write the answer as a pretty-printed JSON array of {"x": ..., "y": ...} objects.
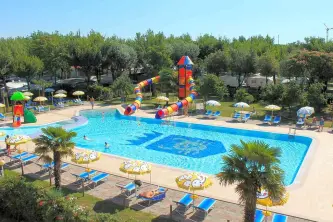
[{"x": 182, "y": 145}]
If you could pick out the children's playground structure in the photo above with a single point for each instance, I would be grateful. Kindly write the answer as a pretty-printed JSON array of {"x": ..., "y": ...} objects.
[
  {"x": 186, "y": 90},
  {"x": 19, "y": 111}
]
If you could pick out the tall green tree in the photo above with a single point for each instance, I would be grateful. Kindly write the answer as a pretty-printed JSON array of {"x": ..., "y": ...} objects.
[
  {"x": 28, "y": 67},
  {"x": 217, "y": 62},
  {"x": 316, "y": 97},
  {"x": 168, "y": 80},
  {"x": 52, "y": 49},
  {"x": 211, "y": 85},
  {"x": 122, "y": 86},
  {"x": 293, "y": 95},
  {"x": 242, "y": 64},
  {"x": 53, "y": 145},
  {"x": 10, "y": 50},
  {"x": 42, "y": 83},
  {"x": 273, "y": 94},
  {"x": 252, "y": 166},
  {"x": 318, "y": 66},
  {"x": 85, "y": 52},
  {"x": 180, "y": 48},
  {"x": 268, "y": 66},
  {"x": 118, "y": 57}
]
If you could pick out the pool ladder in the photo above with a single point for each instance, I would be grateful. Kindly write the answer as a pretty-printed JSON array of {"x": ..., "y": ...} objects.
[{"x": 291, "y": 132}]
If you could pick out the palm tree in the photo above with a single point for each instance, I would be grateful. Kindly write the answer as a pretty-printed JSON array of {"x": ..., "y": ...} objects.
[
  {"x": 252, "y": 166},
  {"x": 54, "y": 144}
]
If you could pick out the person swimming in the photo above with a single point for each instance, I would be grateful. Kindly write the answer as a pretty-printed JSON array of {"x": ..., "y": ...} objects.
[
  {"x": 86, "y": 138},
  {"x": 107, "y": 146}
]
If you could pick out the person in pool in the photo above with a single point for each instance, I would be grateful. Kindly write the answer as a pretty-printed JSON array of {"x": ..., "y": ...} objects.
[
  {"x": 86, "y": 138},
  {"x": 106, "y": 145}
]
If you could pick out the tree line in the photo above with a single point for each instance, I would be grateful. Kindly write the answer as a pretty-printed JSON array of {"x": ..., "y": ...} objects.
[{"x": 57, "y": 54}]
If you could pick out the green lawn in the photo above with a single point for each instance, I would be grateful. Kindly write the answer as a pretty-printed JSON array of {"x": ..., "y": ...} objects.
[{"x": 94, "y": 203}]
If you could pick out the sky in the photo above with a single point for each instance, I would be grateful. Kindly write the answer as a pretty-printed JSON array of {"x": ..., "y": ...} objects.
[{"x": 291, "y": 20}]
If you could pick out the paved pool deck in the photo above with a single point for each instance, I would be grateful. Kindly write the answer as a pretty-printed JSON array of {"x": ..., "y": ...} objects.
[{"x": 311, "y": 194}]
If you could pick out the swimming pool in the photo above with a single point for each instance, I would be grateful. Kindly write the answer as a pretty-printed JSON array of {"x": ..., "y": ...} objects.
[{"x": 193, "y": 147}]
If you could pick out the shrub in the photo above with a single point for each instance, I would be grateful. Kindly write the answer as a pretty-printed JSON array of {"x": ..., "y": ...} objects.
[
  {"x": 23, "y": 201},
  {"x": 243, "y": 96},
  {"x": 18, "y": 200}
]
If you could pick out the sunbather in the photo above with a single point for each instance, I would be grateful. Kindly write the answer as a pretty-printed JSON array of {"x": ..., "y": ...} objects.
[{"x": 149, "y": 194}]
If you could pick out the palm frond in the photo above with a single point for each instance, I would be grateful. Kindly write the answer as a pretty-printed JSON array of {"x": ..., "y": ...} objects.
[{"x": 253, "y": 165}]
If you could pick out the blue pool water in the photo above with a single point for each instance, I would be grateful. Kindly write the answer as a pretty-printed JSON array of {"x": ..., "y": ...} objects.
[{"x": 188, "y": 146}]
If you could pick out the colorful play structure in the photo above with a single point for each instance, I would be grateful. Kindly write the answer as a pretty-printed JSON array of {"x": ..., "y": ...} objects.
[
  {"x": 19, "y": 110},
  {"x": 186, "y": 90},
  {"x": 17, "y": 114}
]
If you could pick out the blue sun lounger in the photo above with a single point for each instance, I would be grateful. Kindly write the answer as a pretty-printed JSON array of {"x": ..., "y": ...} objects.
[
  {"x": 237, "y": 116},
  {"x": 18, "y": 156},
  {"x": 2, "y": 117},
  {"x": 184, "y": 204},
  {"x": 259, "y": 216},
  {"x": 158, "y": 197},
  {"x": 48, "y": 166},
  {"x": 208, "y": 113},
  {"x": 267, "y": 119},
  {"x": 127, "y": 189},
  {"x": 277, "y": 120},
  {"x": 28, "y": 158},
  {"x": 84, "y": 175},
  {"x": 300, "y": 122},
  {"x": 216, "y": 114},
  {"x": 206, "y": 205},
  {"x": 246, "y": 117},
  {"x": 99, "y": 177},
  {"x": 279, "y": 218}
]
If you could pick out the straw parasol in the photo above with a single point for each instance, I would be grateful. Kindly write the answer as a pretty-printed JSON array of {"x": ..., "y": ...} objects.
[
  {"x": 40, "y": 99},
  {"x": 26, "y": 98},
  {"x": 78, "y": 93},
  {"x": 86, "y": 158},
  {"x": 273, "y": 108},
  {"x": 193, "y": 182},
  {"x": 61, "y": 91},
  {"x": 136, "y": 167},
  {"x": 60, "y": 95},
  {"x": 162, "y": 98},
  {"x": 18, "y": 139},
  {"x": 28, "y": 94},
  {"x": 2, "y": 105}
]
